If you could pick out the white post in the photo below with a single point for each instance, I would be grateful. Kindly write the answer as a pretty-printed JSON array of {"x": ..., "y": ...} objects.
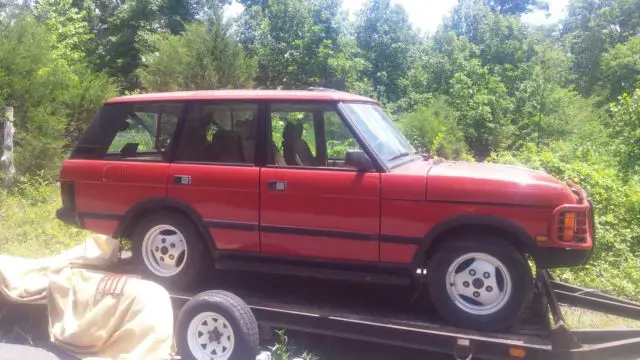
[{"x": 6, "y": 161}]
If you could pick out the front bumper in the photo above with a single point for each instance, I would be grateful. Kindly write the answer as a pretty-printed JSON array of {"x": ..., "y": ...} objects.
[
  {"x": 550, "y": 258},
  {"x": 69, "y": 217}
]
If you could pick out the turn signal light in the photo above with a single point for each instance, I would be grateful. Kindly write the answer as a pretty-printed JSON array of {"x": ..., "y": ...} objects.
[{"x": 568, "y": 226}]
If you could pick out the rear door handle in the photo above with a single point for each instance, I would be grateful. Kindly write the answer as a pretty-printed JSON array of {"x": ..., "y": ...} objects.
[
  {"x": 279, "y": 186},
  {"x": 181, "y": 180}
]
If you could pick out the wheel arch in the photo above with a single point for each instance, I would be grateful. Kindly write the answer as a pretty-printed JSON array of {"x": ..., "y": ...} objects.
[
  {"x": 511, "y": 232},
  {"x": 156, "y": 205}
]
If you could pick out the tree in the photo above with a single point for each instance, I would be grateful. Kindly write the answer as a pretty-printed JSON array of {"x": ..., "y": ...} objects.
[
  {"x": 68, "y": 29},
  {"x": 482, "y": 108},
  {"x": 591, "y": 28},
  {"x": 502, "y": 41},
  {"x": 294, "y": 42},
  {"x": 626, "y": 132},
  {"x": 54, "y": 95},
  {"x": 205, "y": 56},
  {"x": 620, "y": 70},
  {"x": 537, "y": 96},
  {"x": 516, "y": 7},
  {"x": 384, "y": 34},
  {"x": 119, "y": 27},
  {"x": 432, "y": 128}
]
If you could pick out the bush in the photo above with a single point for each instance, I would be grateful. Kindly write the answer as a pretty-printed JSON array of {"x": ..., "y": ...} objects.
[
  {"x": 433, "y": 129},
  {"x": 626, "y": 132},
  {"x": 53, "y": 100},
  {"x": 615, "y": 264}
]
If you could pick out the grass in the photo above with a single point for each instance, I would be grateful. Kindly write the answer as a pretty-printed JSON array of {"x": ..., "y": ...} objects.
[
  {"x": 577, "y": 318},
  {"x": 28, "y": 225}
]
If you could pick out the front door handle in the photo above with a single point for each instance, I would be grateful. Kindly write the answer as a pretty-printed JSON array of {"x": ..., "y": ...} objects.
[
  {"x": 181, "y": 180},
  {"x": 279, "y": 186}
]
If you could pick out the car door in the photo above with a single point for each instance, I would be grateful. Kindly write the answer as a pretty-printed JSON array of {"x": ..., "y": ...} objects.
[
  {"x": 123, "y": 154},
  {"x": 214, "y": 172},
  {"x": 312, "y": 205}
]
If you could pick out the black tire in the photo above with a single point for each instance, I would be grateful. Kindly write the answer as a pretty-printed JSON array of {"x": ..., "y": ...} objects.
[
  {"x": 504, "y": 316},
  {"x": 197, "y": 254},
  {"x": 239, "y": 316}
]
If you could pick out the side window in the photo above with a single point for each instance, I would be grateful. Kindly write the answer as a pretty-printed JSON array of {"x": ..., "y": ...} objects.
[
  {"x": 219, "y": 133},
  {"x": 339, "y": 139},
  {"x": 309, "y": 135},
  {"x": 145, "y": 131}
]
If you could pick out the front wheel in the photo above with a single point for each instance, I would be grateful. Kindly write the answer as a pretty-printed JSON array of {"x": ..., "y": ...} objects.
[{"x": 480, "y": 283}]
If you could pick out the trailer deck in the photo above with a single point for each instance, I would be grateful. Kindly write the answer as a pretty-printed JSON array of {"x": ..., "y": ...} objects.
[{"x": 337, "y": 310}]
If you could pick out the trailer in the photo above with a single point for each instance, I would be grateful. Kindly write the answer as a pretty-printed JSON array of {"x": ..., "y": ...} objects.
[{"x": 541, "y": 333}]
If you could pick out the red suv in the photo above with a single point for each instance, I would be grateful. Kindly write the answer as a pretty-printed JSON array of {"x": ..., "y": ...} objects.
[{"x": 317, "y": 183}]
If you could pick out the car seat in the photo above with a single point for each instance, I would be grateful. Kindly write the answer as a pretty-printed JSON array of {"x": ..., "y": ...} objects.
[
  {"x": 225, "y": 147},
  {"x": 296, "y": 150}
]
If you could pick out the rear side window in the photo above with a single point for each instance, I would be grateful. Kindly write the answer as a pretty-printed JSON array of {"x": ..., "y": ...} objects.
[
  {"x": 142, "y": 131},
  {"x": 223, "y": 133}
]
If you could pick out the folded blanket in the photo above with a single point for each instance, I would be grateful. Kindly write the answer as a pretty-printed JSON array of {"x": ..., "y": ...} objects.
[
  {"x": 93, "y": 314},
  {"x": 26, "y": 280}
]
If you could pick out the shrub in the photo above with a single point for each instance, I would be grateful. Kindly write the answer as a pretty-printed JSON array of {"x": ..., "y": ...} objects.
[
  {"x": 52, "y": 99},
  {"x": 615, "y": 264},
  {"x": 433, "y": 129}
]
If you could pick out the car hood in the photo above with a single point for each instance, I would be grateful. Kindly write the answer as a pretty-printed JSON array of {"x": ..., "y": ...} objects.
[{"x": 494, "y": 183}]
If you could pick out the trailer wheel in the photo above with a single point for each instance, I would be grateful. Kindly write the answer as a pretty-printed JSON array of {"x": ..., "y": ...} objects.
[
  {"x": 480, "y": 282},
  {"x": 216, "y": 325}
]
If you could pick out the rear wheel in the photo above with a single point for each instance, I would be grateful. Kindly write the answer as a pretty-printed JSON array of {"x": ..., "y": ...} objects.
[
  {"x": 480, "y": 282},
  {"x": 169, "y": 249}
]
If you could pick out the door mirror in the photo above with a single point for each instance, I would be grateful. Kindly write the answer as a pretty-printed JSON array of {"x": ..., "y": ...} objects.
[{"x": 358, "y": 159}]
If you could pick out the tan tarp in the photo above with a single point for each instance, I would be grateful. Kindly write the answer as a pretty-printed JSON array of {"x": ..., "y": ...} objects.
[{"x": 93, "y": 314}]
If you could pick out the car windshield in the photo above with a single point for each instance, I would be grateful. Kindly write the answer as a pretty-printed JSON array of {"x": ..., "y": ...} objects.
[{"x": 379, "y": 132}]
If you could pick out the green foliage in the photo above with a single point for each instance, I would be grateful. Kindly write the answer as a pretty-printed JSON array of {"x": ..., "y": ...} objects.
[
  {"x": 516, "y": 7},
  {"x": 384, "y": 34},
  {"x": 590, "y": 29},
  {"x": 69, "y": 32},
  {"x": 27, "y": 219},
  {"x": 119, "y": 28},
  {"x": 284, "y": 349},
  {"x": 433, "y": 129},
  {"x": 615, "y": 265},
  {"x": 296, "y": 43},
  {"x": 52, "y": 95},
  {"x": 626, "y": 132},
  {"x": 205, "y": 56},
  {"x": 482, "y": 106},
  {"x": 621, "y": 69}
]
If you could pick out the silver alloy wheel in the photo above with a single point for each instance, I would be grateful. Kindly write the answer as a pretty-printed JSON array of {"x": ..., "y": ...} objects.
[
  {"x": 210, "y": 337},
  {"x": 478, "y": 283},
  {"x": 164, "y": 250}
]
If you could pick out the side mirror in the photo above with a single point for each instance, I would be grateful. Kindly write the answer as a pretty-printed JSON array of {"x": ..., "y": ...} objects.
[{"x": 358, "y": 159}]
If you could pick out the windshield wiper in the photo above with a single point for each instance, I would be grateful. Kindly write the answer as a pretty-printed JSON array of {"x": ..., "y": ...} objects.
[{"x": 398, "y": 156}]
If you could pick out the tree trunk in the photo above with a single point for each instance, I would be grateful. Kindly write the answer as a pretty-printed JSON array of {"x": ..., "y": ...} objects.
[{"x": 6, "y": 161}]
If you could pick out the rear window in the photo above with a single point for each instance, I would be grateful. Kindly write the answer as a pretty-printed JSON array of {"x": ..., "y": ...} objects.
[{"x": 130, "y": 131}]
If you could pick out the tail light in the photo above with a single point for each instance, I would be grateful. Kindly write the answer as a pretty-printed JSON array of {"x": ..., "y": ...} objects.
[{"x": 68, "y": 193}]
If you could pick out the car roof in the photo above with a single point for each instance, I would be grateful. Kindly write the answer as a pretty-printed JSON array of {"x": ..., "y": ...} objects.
[{"x": 273, "y": 95}]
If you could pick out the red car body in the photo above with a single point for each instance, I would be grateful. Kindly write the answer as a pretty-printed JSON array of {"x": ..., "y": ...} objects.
[{"x": 387, "y": 216}]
